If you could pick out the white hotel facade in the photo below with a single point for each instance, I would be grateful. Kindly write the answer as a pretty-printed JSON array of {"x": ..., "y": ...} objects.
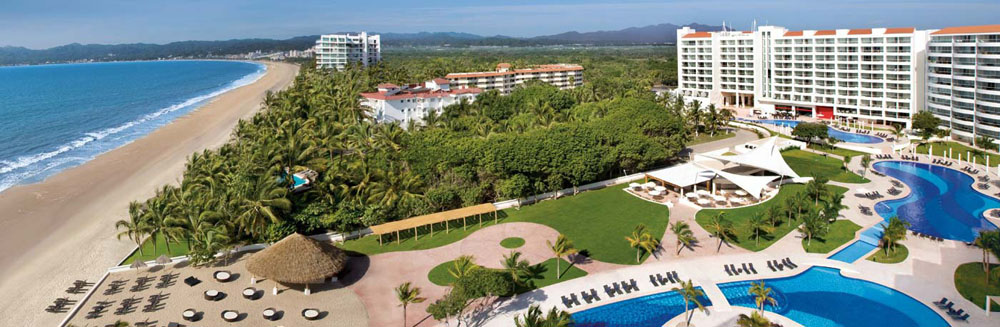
[
  {"x": 335, "y": 51},
  {"x": 880, "y": 75}
]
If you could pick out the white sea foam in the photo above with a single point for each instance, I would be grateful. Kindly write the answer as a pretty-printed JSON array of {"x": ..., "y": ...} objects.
[{"x": 28, "y": 161}]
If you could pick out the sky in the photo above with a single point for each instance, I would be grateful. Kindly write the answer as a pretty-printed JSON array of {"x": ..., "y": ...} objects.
[{"x": 45, "y": 23}]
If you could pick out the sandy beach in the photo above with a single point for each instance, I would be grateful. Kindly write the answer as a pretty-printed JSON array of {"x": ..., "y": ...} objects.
[{"x": 61, "y": 230}]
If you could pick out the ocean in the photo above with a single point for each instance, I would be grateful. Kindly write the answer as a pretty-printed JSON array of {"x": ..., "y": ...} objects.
[{"x": 54, "y": 117}]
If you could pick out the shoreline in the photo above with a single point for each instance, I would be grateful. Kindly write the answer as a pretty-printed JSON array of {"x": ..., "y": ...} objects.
[{"x": 61, "y": 229}]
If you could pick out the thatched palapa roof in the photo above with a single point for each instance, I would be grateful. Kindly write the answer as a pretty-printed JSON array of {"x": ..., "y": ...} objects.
[{"x": 297, "y": 259}]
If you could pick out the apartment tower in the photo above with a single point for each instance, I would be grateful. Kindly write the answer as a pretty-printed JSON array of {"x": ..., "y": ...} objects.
[{"x": 336, "y": 51}]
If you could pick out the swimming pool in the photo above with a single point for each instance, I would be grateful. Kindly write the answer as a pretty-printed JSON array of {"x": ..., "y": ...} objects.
[
  {"x": 865, "y": 244},
  {"x": 835, "y": 133},
  {"x": 647, "y": 311},
  {"x": 942, "y": 201},
  {"x": 821, "y": 297}
]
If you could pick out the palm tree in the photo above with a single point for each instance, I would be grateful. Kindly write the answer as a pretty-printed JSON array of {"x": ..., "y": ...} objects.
[
  {"x": 812, "y": 226},
  {"x": 721, "y": 228},
  {"x": 407, "y": 295},
  {"x": 762, "y": 295},
  {"x": 894, "y": 232},
  {"x": 865, "y": 161},
  {"x": 684, "y": 235},
  {"x": 754, "y": 320},
  {"x": 135, "y": 227},
  {"x": 988, "y": 241},
  {"x": 533, "y": 318},
  {"x": 562, "y": 247},
  {"x": 260, "y": 205},
  {"x": 641, "y": 241},
  {"x": 690, "y": 295},
  {"x": 516, "y": 267},
  {"x": 816, "y": 189},
  {"x": 462, "y": 266},
  {"x": 758, "y": 223}
]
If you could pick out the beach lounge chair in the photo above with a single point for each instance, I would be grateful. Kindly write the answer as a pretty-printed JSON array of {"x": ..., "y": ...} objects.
[
  {"x": 566, "y": 302},
  {"x": 610, "y": 291},
  {"x": 674, "y": 273},
  {"x": 728, "y": 272},
  {"x": 662, "y": 280},
  {"x": 947, "y": 306},
  {"x": 618, "y": 288},
  {"x": 745, "y": 269},
  {"x": 593, "y": 295},
  {"x": 771, "y": 266},
  {"x": 586, "y": 297},
  {"x": 752, "y": 269},
  {"x": 962, "y": 317},
  {"x": 958, "y": 313},
  {"x": 942, "y": 302},
  {"x": 652, "y": 280},
  {"x": 635, "y": 286}
]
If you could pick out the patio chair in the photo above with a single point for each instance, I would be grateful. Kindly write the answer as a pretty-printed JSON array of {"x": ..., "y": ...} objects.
[
  {"x": 962, "y": 318},
  {"x": 942, "y": 302},
  {"x": 745, "y": 269},
  {"x": 958, "y": 313},
  {"x": 752, "y": 269},
  {"x": 652, "y": 280},
  {"x": 728, "y": 272},
  {"x": 610, "y": 291},
  {"x": 674, "y": 273},
  {"x": 593, "y": 295},
  {"x": 771, "y": 266}
]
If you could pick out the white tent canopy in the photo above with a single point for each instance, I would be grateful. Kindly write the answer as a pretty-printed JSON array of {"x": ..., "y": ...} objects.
[
  {"x": 752, "y": 184},
  {"x": 766, "y": 156},
  {"x": 683, "y": 175}
]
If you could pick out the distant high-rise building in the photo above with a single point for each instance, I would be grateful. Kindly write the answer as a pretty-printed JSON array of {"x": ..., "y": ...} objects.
[
  {"x": 963, "y": 80},
  {"x": 336, "y": 51}
]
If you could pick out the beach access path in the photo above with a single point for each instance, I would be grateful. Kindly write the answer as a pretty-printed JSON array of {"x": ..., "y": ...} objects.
[{"x": 62, "y": 229}]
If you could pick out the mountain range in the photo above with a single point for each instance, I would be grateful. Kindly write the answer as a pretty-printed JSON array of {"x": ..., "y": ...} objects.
[{"x": 652, "y": 34}]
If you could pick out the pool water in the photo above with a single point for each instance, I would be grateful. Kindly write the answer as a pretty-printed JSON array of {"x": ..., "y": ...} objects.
[
  {"x": 835, "y": 133},
  {"x": 821, "y": 297},
  {"x": 942, "y": 201},
  {"x": 647, "y": 311},
  {"x": 868, "y": 241},
  {"x": 298, "y": 181}
]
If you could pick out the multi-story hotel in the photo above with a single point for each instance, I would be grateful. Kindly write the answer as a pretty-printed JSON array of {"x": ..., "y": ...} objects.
[
  {"x": 504, "y": 79},
  {"x": 337, "y": 50},
  {"x": 963, "y": 80},
  {"x": 872, "y": 75},
  {"x": 403, "y": 104}
]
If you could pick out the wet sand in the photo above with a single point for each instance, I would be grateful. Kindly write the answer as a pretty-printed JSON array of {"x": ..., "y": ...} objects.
[{"x": 62, "y": 229}]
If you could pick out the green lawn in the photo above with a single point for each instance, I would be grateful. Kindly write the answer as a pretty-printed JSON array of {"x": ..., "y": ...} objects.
[
  {"x": 439, "y": 275},
  {"x": 897, "y": 255},
  {"x": 512, "y": 242},
  {"x": 705, "y": 137},
  {"x": 837, "y": 151},
  {"x": 970, "y": 280},
  {"x": 941, "y": 150},
  {"x": 810, "y": 164},
  {"x": 595, "y": 221},
  {"x": 841, "y": 231},
  {"x": 739, "y": 217},
  {"x": 176, "y": 249}
]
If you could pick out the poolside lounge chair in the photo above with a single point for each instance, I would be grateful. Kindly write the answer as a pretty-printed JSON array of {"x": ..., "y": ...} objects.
[
  {"x": 942, "y": 302},
  {"x": 652, "y": 280},
  {"x": 771, "y": 266},
  {"x": 566, "y": 302},
  {"x": 735, "y": 270},
  {"x": 728, "y": 272},
  {"x": 635, "y": 286},
  {"x": 752, "y": 269},
  {"x": 593, "y": 295},
  {"x": 947, "y": 306},
  {"x": 573, "y": 298},
  {"x": 958, "y": 313},
  {"x": 610, "y": 291},
  {"x": 962, "y": 317},
  {"x": 745, "y": 269},
  {"x": 674, "y": 273},
  {"x": 617, "y": 288},
  {"x": 662, "y": 280}
]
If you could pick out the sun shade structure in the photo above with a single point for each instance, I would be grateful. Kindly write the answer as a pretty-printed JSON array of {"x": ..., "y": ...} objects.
[
  {"x": 766, "y": 156},
  {"x": 434, "y": 218},
  {"x": 297, "y": 259},
  {"x": 683, "y": 175},
  {"x": 753, "y": 185},
  {"x": 138, "y": 263},
  {"x": 163, "y": 259}
]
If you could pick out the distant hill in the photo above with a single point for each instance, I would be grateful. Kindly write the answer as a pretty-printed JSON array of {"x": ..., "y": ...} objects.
[{"x": 9, "y": 55}]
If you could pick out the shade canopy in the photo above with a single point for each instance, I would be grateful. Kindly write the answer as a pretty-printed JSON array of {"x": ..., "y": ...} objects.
[
  {"x": 682, "y": 175},
  {"x": 138, "y": 263},
  {"x": 297, "y": 259},
  {"x": 163, "y": 259},
  {"x": 434, "y": 218},
  {"x": 766, "y": 156}
]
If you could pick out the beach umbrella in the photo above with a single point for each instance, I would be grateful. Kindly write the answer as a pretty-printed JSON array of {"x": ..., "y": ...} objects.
[
  {"x": 138, "y": 264},
  {"x": 297, "y": 259},
  {"x": 163, "y": 259}
]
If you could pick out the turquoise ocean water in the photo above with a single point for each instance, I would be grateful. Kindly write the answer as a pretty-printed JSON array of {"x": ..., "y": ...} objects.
[{"x": 54, "y": 117}]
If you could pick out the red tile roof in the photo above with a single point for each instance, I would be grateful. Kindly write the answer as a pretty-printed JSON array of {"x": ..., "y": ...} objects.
[
  {"x": 503, "y": 65},
  {"x": 697, "y": 34},
  {"x": 825, "y": 32},
  {"x": 969, "y": 30},
  {"x": 860, "y": 31},
  {"x": 440, "y": 81},
  {"x": 420, "y": 94},
  {"x": 387, "y": 86},
  {"x": 793, "y": 33},
  {"x": 900, "y": 30}
]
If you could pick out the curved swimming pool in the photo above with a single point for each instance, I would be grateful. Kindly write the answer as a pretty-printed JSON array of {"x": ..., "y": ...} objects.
[
  {"x": 941, "y": 202},
  {"x": 833, "y": 132},
  {"x": 821, "y": 297},
  {"x": 647, "y": 311}
]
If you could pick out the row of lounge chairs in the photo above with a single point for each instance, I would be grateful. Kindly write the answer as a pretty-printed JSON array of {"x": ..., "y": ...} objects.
[
  {"x": 780, "y": 266},
  {"x": 115, "y": 287},
  {"x": 945, "y": 304},
  {"x": 142, "y": 284},
  {"x": 127, "y": 306},
  {"x": 658, "y": 280},
  {"x": 876, "y": 172},
  {"x": 941, "y": 162},
  {"x": 60, "y": 305},
  {"x": 155, "y": 302},
  {"x": 894, "y": 191},
  {"x": 927, "y": 236},
  {"x": 882, "y": 135},
  {"x": 970, "y": 170},
  {"x": 867, "y": 211},
  {"x": 883, "y": 156},
  {"x": 79, "y": 286},
  {"x": 732, "y": 270},
  {"x": 99, "y": 309},
  {"x": 910, "y": 158},
  {"x": 873, "y": 195}
]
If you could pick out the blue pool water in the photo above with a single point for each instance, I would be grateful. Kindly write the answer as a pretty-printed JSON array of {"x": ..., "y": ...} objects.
[
  {"x": 821, "y": 297},
  {"x": 647, "y": 311},
  {"x": 942, "y": 201},
  {"x": 53, "y": 117},
  {"x": 868, "y": 241},
  {"x": 298, "y": 181},
  {"x": 835, "y": 133}
]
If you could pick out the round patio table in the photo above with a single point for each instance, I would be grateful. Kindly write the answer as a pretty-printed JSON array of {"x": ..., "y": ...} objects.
[
  {"x": 654, "y": 193},
  {"x": 249, "y": 292},
  {"x": 270, "y": 313},
  {"x": 741, "y": 192},
  {"x": 660, "y": 188},
  {"x": 230, "y": 315},
  {"x": 222, "y": 276},
  {"x": 310, "y": 314},
  {"x": 691, "y": 195},
  {"x": 634, "y": 185},
  {"x": 703, "y": 192},
  {"x": 188, "y": 314},
  {"x": 704, "y": 201},
  {"x": 719, "y": 198},
  {"x": 211, "y": 294}
]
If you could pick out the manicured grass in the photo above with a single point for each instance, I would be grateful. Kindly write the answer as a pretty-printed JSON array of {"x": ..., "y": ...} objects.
[
  {"x": 941, "y": 150},
  {"x": 512, "y": 242},
  {"x": 705, "y": 137},
  {"x": 439, "y": 275},
  {"x": 841, "y": 231},
  {"x": 970, "y": 280},
  {"x": 837, "y": 151},
  {"x": 897, "y": 255},
  {"x": 739, "y": 217},
  {"x": 595, "y": 221},
  {"x": 148, "y": 254},
  {"x": 810, "y": 164}
]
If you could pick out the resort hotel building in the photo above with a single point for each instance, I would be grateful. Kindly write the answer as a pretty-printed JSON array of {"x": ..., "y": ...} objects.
[
  {"x": 336, "y": 51},
  {"x": 963, "y": 80},
  {"x": 403, "y": 104},
  {"x": 504, "y": 79}
]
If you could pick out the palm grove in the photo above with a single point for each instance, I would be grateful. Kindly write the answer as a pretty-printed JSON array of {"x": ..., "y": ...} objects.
[{"x": 537, "y": 139}]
